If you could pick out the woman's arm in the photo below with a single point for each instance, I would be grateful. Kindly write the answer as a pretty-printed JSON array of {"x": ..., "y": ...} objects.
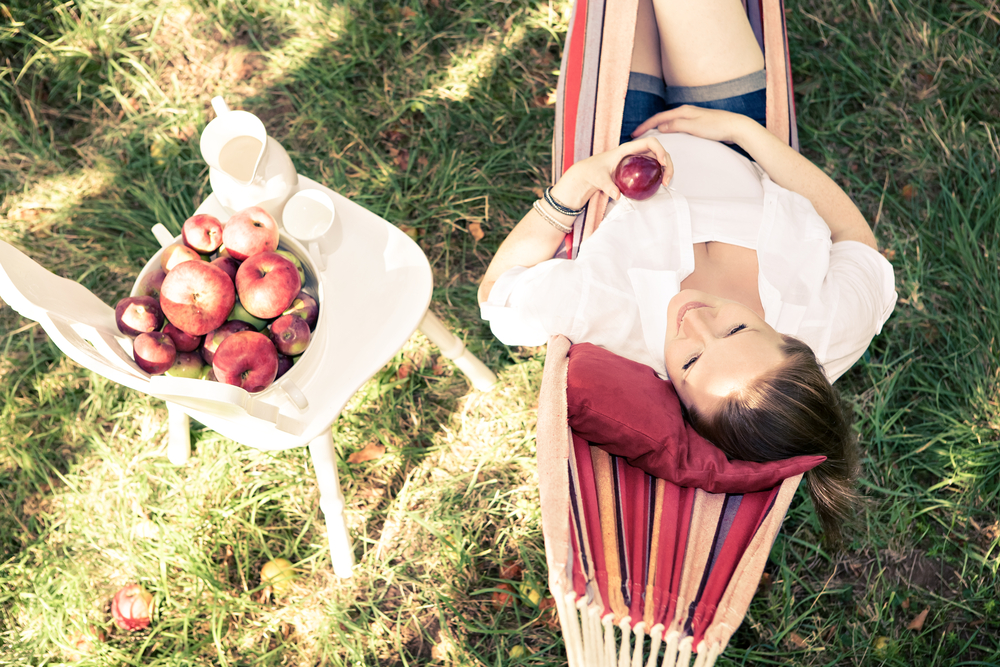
[
  {"x": 783, "y": 164},
  {"x": 534, "y": 240}
]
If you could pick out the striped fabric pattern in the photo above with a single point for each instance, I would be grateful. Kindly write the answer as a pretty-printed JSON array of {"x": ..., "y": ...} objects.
[
  {"x": 644, "y": 572},
  {"x": 593, "y": 80}
]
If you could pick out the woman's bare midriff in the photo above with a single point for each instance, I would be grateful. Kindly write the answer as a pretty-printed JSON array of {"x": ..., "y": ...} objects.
[{"x": 728, "y": 271}]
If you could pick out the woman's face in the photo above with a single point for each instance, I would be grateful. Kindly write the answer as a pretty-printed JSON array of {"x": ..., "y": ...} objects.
[{"x": 714, "y": 347}]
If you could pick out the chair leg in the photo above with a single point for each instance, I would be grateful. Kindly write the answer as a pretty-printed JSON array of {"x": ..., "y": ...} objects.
[
  {"x": 178, "y": 435},
  {"x": 331, "y": 500},
  {"x": 482, "y": 377}
]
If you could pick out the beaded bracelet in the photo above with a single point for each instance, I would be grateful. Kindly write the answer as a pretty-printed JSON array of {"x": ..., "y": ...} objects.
[
  {"x": 549, "y": 219},
  {"x": 562, "y": 208}
]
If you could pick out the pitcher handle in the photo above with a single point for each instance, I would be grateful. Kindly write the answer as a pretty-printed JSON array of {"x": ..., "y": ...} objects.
[{"x": 219, "y": 105}]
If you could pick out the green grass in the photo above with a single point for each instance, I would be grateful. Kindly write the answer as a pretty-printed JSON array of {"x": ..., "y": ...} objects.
[{"x": 434, "y": 115}]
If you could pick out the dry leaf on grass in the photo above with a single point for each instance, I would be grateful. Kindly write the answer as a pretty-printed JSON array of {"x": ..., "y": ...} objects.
[
  {"x": 918, "y": 623},
  {"x": 371, "y": 451},
  {"x": 476, "y": 230},
  {"x": 795, "y": 640}
]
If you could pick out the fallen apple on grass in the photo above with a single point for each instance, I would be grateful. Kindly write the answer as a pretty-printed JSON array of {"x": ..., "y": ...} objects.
[
  {"x": 638, "y": 176},
  {"x": 278, "y": 574},
  {"x": 132, "y": 607},
  {"x": 246, "y": 359},
  {"x": 138, "y": 314},
  {"x": 267, "y": 284},
  {"x": 154, "y": 352},
  {"x": 197, "y": 297}
]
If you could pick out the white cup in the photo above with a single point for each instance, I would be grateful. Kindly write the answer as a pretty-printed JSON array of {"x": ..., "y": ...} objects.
[
  {"x": 234, "y": 142},
  {"x": 308, "y": 216}
]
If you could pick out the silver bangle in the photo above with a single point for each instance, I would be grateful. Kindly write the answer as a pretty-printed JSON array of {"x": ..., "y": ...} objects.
[
  {"x": 562, "y": 208},
  {"x": 549, "y": 219}
]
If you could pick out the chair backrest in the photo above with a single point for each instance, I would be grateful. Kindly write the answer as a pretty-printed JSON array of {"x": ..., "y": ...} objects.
[{"x": 593, "y": 80}]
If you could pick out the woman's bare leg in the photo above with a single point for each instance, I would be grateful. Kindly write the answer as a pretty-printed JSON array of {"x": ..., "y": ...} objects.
[
  {"x": 704, "y": 42},
  {"x": 646, "y": 47}
]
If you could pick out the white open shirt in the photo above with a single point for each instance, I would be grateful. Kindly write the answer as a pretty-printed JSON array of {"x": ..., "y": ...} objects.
[{"x": 834, "y": 297}]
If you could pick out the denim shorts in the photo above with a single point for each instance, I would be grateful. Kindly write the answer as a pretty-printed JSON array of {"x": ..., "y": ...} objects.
[{"x": 648, "y": 95}]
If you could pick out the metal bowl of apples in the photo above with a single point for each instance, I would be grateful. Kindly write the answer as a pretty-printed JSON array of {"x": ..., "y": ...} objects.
[{"x": 232, "y": 301}]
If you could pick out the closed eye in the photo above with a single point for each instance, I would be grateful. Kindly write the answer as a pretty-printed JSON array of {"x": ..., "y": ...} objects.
[
  {"x": 737, "y": 329},
  {"x": 690, "y": 362}
]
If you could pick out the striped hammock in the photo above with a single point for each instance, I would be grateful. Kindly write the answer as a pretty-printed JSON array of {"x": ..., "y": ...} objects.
[
  {"x": 644, "y": 572},
  {"x": 593, "y": 80}
]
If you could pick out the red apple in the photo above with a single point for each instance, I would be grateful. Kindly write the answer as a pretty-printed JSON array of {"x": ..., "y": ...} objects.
[
  {"x": 227, "y": 264},
  {"x": 150, "y": 285},
  {"x": 267, "y": 284},
  {"x": 290, "y": 335},
  {"x": 138, "y": 314},
  {"x": 213, "y": 339},
  {"x": 285, "y": 364},
  {"x": 186, "y": 365},
  {"x": 246, "y": 359},
  {"x": 184, "y": 342},
  {"x": 203, "y": 233},
  {"x": 249, "y": 232},
  {"x": 197, "y": 297},
  {"x": 174, "y": 255},
  {"x": 240, "y": 313},
  {"x": 306, "y": 307},
  {"x": 290, "y": 256},
  {"x": 154, "y": 352},
  {"x": 638, "y": 176},
  {"x": 132, "y": 607}
]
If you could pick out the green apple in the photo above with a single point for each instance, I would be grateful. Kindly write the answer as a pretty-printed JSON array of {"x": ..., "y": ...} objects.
[
  {"x": 278, "y": 574},
  {"x": 298, "y": 264},
  {"x": 187, "y": 365},
  {"x": 240, "y": 313}
]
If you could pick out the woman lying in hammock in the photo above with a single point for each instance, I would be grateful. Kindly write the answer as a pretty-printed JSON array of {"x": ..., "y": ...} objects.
[{"x": 751, "y": 283}]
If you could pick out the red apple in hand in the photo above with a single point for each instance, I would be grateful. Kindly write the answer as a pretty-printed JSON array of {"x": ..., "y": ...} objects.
[
  {"x": 267, "y": 284},
  {"x": 132, "y": 607},
  {"x": 249, "y": 232},
  {"x": 202, "y": 232},
  {"x": 246, "y": 359},
  {"x": 290, "y": 335},
  {"x": 138, "y": 314},
  {"x": 175, "y": 254},
  {"x": 638, "y": 176},
  {"x": 154, "y": 352},
  {"x": 184, "y": 342},
  {"x": 213, "y": 339},
  {"x": 197, "y": 297}
]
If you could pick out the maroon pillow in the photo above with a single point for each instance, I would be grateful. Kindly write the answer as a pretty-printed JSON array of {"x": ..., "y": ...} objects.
[{"x": 624, "y": 408}]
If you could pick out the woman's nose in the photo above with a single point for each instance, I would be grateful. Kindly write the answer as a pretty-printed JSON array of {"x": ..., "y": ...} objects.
[{"x": 697, "y": 322}]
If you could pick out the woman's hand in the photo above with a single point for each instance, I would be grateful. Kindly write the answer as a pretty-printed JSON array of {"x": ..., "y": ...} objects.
[
  {"x": 713, "y": 124},
  {"x": 586, "y": 177}
]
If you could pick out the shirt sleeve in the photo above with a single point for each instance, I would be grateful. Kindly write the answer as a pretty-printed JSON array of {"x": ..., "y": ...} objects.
[
  {"x": 527, "y": 305},
  {"x": 866, "y": 297}
]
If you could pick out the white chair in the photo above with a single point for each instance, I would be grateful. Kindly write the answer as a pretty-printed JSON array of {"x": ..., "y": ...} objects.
[{"x": 374, "y": 289}]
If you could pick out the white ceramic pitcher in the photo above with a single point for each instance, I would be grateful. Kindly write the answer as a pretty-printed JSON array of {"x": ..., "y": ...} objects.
[{"x": 247, "y": 167}]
